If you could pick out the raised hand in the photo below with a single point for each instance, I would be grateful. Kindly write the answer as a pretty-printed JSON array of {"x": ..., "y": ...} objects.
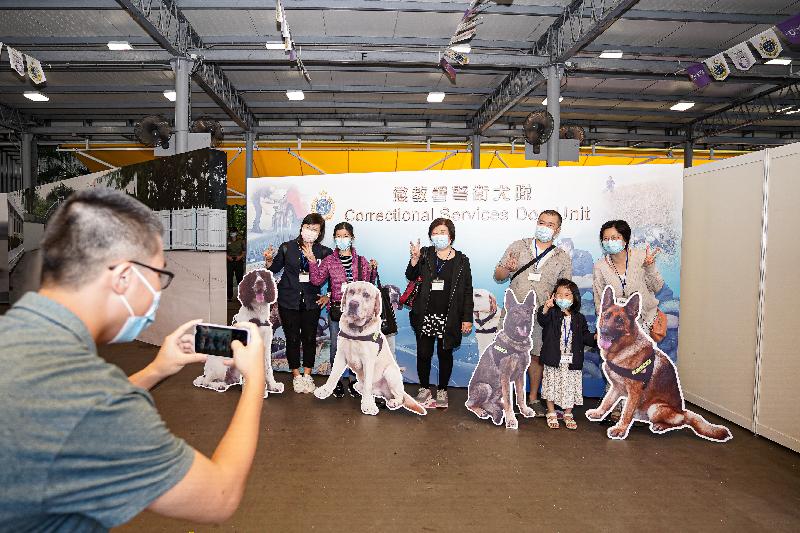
[
  {"x": 373, "y": 264},
  {"x": 650, "y": 258},
  {"x": 415, "y": 250},
  {"x": 550, "y": 302},
  {"x": 269, "y": 255},
  {"x": 308, "y": 251},
  {"x": 512, "y": 263}
]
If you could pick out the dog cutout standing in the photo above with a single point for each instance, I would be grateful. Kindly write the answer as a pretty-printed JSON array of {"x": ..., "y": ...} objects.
[
  {"x": 364, "y": 349},
  {"x": 641, "y": 376},
  {"x": 503, "y": 363},
  {"x": 257, "y": 294},
  {"x": 485, "y": 317}
]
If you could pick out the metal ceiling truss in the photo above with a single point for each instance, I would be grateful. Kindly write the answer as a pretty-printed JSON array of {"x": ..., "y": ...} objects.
[
  {"x": 164, "y": 22},
  {"x": 11, "y": 118},
  {"x": 771, "y": 104}
]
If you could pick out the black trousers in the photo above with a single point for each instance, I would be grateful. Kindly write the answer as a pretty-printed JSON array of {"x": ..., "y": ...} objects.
[
  {"x": 234, "y": 267},
  {"x": 300, "y": 328},
  {"x": 424, "y": 357}
]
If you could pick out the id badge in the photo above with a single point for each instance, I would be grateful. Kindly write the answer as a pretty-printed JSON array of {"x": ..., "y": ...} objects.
[
  {"x": 566, "y": 358},
  {"x": 305, "y": 277},
  {"x": 535, "y": 276},
  {"x": 437, "y": 285}
]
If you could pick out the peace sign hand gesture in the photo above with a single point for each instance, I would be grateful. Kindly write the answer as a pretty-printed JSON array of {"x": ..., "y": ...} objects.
[
  {"x": 650, "y": 258},
  {"x": 550, "y": 302},
  {"x": 512, "y": 263},
  {"x": 415, "y": 250}
]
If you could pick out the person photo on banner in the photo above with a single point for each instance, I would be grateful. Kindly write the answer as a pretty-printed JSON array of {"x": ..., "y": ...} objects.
[
  {"x": 339, "y": 268},
  {"x": 234, "y": 256},
  {"x": 628, "y": 271},
  {"x": 299, "y": 301},
  {"x": 442, "y": 310},
  {"x": 565, "y": 333},
  {"x": 535, "y": 263}
]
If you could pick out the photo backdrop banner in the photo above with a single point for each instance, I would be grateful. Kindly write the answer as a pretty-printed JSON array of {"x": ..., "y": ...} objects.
[{"x": 490, "y": 208}]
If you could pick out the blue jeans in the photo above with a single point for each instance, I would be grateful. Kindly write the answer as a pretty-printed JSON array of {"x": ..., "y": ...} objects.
[{"x": 333, "y": 330}]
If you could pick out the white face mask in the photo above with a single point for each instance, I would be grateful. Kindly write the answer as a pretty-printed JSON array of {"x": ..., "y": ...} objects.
[
  {"x": 309, "y": 235},
  {"x": 134, "y": 325}
]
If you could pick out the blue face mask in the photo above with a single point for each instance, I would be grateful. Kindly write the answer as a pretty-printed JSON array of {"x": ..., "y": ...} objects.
[
  {"x": 135, "y": 325},
  {"x": 440, "y": 241},
  {"x": 613, "y": 246},
  {"x": 563, "y": 303},
  {"x": 544, "y": 233},
  {"x": 343, "y": 243}
]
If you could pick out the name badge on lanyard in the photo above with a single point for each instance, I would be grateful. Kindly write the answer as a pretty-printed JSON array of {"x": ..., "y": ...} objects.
[
  {"x": 566, "y": 335},
  {"x": 566, "y": 358},
  {"x": 305, "y": 277},
  {"x": 535, "y": 276},
  {"x": 437, "y": 285},
  {"x": 304, "y": 266}
]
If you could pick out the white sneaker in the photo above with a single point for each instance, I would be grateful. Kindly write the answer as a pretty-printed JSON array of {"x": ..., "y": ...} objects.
[
  {"x": 441, "y": 399},
  {"x": 310, "y": 385},
  {"x": 299, "y": 384},
  {"x": 425, "y": 398}
]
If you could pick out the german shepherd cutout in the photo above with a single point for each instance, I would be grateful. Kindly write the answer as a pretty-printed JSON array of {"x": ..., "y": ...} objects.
[
  {"x": 503, "y": 362},
  {"x": 642, "y": 376}
]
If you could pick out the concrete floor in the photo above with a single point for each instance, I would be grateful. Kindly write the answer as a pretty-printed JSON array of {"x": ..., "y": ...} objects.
[{"x": 322, "y": 466}]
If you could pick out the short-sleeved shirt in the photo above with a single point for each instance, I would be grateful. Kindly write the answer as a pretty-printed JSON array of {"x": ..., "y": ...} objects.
[{"x": 81, "y": 448}]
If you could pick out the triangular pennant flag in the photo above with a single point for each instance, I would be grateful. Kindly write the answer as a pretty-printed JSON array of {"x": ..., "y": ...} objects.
[
  {"x": 1, "y": 49},
  {"x": 790, "y": 28},
  {"x": 698, "y": 75},
  {"x": 718, "y": 67},
  {"x": 767, "y": 44},
  {"x": 741, "y": 56},
  {"x": 35, "y": 72},
  {"x": 16, "y": 60}
]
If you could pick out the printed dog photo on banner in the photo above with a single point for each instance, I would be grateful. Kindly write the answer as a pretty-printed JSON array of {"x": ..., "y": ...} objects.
[
  {"x": 258, "y": 293},
  {"x": 503, "y": 365},
  {"x": 364, "y": 349},
  {"x": 642, "y": 377}
]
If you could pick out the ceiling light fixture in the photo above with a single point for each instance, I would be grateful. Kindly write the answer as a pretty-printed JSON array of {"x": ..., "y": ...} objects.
[
  {"x": 793, "y": 111},
  {"x": 119, "y": 45},
  {"x": 779, "y": 61},
  {"x": 295, "y": 95},
  {"x": 611, "y": 54},
  {"x": 435, "y": 97},
  {"x": 170, "y": 95},
  {"x": 560, "y": 99},
  {"x": 462, "y": 48},
  {"x": 682, "y": 106},
  {"x": 275, "y": 45},
  {"x": 36, "y": 96}
]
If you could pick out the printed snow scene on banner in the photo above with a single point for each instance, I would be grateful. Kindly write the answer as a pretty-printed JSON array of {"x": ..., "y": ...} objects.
[
  {"x": 641, "y": 376},
  {"x": 504, "y": 363},
  {"x": 257, "y": 294},
  {"x": 362, "y": 348}
]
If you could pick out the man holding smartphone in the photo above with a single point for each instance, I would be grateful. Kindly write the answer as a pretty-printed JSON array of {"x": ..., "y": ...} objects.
[{"x": 82, "y": 447}]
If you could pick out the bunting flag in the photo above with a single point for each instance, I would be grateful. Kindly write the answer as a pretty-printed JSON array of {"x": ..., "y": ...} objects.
[
  {"x": 1, "y": 49},
  {"x": 35, "y": 71},
  {"x": 718, "y": 67},
  {"x": 698, "y": 75},
  {"x": 767, "y": 44},
  {"x": 449, "y": 71},
  {"x": 16, "y": 60},
  {"x": 790, "y": 28},
  {"x": 741, "y": 56}
]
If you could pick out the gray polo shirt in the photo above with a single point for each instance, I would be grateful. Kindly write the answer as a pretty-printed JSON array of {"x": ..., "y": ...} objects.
[{"x": 81, "y": 448}]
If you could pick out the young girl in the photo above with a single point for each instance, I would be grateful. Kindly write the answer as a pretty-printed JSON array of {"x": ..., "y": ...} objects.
[{"x": 564, "y": 335}]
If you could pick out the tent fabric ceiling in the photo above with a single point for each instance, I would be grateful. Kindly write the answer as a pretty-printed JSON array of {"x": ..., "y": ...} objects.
[{"x": 659, "y": 37}]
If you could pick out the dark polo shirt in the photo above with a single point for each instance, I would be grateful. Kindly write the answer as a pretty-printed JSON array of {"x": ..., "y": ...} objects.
[{"x": 81, "y": 448}]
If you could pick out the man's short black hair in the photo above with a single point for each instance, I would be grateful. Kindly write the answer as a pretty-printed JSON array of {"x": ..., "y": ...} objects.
[
  {"x": 554, "y": 213},
  {"x": 91, "y": 229}
]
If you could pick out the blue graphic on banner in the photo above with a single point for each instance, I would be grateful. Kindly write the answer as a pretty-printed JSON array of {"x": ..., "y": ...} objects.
[{"x": 490, "y": 209}]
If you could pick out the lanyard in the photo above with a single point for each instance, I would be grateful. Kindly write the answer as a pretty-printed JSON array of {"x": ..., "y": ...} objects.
[
  {"x": 539, "y": 257},
  {"x": 566, "y": 332},
  {"x": 303, "y": 261},
  {"x": 440, "y": 267},
  {"x": 623, "y": 280}
]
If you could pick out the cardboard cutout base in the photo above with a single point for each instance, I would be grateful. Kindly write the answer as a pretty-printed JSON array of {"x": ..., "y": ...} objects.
[
  {"x": 642, "y": 377},
  {"x": 503, "y": 366},
  {"x": 257, "y": 294},
  {"x": 364, "y": 349}
]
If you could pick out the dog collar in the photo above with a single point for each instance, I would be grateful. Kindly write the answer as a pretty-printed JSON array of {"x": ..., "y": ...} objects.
[
  {"x": 643, "y": 372},
  {"x": 260, "y": 323},
  {"x": 505, "y": 339},
  {"x": 376, "y": 337},
  {"x": 485, "y": 320}
]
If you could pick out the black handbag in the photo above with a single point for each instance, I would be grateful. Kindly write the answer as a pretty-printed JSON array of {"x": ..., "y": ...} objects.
[
  {"x": 335, "y": 312},
  {"x": 388, "y": 318}
]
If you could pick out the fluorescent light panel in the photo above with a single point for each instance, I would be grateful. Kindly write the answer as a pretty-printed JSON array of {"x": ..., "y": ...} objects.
[
  {"x": 295, "y": 95},
  {"x": 435, "y": 97},
  {"x": 611, "y": 54},
  {"x": 275, "y": 45},
  {"x": 682, "y": 106},
  {"x": 560, "y": 99},
  {"x": 36, "y": 96},
  {"x": 170, "y": 95},
  {"x": 779, "y": 61},
  {"x": 119, "y": 45},
  {"x": 462, "y": 48}
]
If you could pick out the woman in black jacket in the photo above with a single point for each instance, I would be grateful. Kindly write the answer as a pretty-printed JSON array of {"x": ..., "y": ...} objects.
[
  {"x": 443, "y": 307},
  {"x": 564, "y": 335}
]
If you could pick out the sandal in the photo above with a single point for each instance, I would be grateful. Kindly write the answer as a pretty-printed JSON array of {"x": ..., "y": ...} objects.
[
  {"x": 569, "y": 421},
  {"x": 552, "y": 420}
]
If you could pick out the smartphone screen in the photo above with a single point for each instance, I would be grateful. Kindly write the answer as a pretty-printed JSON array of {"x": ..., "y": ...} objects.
[{"x": 216, "y": 340}]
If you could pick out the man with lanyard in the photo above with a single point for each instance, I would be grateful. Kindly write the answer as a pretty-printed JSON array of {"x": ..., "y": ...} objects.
[
  {"x": 535, "y": 264},
  {"x": 235, "y": 261}
]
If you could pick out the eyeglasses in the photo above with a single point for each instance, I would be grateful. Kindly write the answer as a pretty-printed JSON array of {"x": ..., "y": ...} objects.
[{"x": 165, "y": 277}]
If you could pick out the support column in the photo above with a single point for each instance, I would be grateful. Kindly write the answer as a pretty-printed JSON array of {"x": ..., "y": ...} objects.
[
  {"x": 28, "y": 177},
  {"x": 183, "y": 69},
  {"x": 688, "y": 150},
  {"x": 476, "y": 151},
  {"x": 249, "y": 145},
  {"x": 554, "y": 108}
]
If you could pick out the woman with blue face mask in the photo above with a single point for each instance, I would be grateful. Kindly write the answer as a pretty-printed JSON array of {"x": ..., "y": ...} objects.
[
  {"x": 442, "y": 309},
  {"x": 341, "y": 267}
]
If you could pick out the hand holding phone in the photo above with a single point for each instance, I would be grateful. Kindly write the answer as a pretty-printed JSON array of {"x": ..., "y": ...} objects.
[{"x": 215, "y": 339}]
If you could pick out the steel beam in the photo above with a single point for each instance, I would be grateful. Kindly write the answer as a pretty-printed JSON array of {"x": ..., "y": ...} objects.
[
  {"x": 510, "y": 91},
  {"x": 165, "y": 22},
  {"x": 11, "y": 118},
  {"x": 554, "y": 73}
]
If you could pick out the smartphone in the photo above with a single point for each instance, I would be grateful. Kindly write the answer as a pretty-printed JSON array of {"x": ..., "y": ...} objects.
[{"x": 215, "y": 339}]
